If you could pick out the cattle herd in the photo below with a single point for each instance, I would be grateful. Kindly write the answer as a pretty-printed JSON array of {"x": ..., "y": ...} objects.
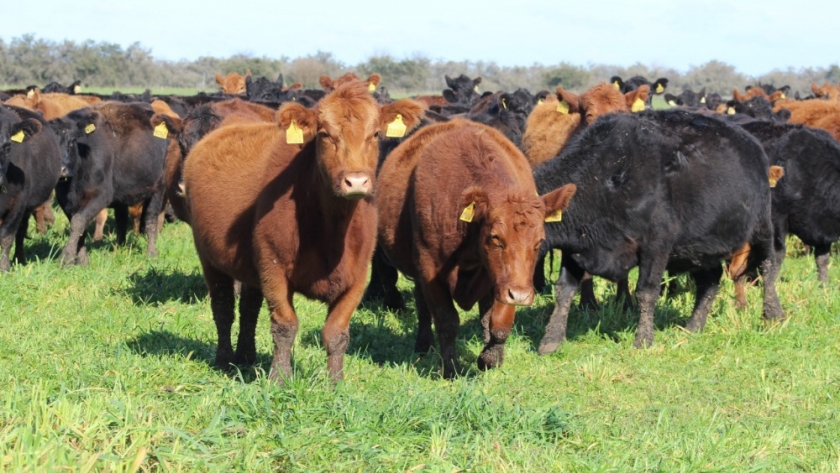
[{"x": 291, "y": 190}]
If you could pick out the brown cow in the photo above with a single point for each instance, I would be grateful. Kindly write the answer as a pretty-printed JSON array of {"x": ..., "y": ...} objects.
[
  {"x": 329, "y": 85},
  {"x": 232, "y": 83},
  {"x": 289, "y": 209},
  {"x": 487, "y": 254},
  {"x": 54, "y": 105}
]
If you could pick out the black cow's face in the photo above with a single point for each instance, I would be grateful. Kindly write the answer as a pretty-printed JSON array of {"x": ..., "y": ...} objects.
[
  {"x": 66, "y": 131},
  {"x": 462, "y": 90}
]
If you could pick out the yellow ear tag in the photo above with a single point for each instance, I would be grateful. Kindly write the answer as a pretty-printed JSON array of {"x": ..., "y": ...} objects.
[
  {"x": 475, "y": 89},
  {"x": 90, "y": 128},
  {"x": 563, "y": 107},
  {"x": 396, "y": 129},
  {"x": 371, "y": 87},
  {"x": 77, "y": 89},
  {"x": 617, "y": 85},
  {"x": 294, "y": 135},
  {"x": 18, "y": 137},
  {"x": 540, "y": 102},
  {"x": 702, "y": 99},
  {"x": 783, "y": 95},
  {"x": 468, "y": 213},
  {"x": 772, "y": 182},
  {"x": 504, "y": 104},
  {"x": 638, "y": 106},
  {"x": 30, "y": 93},
  {"x": 161, "y": 131},
  {"x": 730, "y": 111},
  {"x": 672, "y": 103},
  {"x": 554, "y": 217},
  {"x": 659, "y": 88}
]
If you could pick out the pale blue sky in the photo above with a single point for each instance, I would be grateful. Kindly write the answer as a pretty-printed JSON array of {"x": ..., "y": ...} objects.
[{"x": 755, "y": 37}]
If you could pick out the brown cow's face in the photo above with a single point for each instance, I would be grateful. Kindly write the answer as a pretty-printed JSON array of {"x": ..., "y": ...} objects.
[
  {"x": 233, "y": 83},
  {"x": 600, "y": 100}
]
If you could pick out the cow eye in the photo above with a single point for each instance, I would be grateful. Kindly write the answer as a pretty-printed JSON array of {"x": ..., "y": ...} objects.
[
  {"x": 376, "y": 134},
  {"x": 497, "y": 241}
]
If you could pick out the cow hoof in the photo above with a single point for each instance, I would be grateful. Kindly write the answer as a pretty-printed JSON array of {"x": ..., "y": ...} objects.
[
  {"x": 548, "y": 347},
  {"x": 490, "y": 359},
  {"x": 245, "y": 357},
  {"x": 643, "y": 343},
  {"x": 693, "y": 326}
]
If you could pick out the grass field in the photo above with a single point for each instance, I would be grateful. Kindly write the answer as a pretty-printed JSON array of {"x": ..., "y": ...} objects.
[{"x": 108, "y": 368}]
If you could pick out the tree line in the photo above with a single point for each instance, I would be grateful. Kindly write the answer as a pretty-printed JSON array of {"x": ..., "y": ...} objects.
[{"x": 28, "y": 60}]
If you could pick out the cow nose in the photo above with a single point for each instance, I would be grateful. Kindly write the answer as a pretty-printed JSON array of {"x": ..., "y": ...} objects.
[
  {"x": 356, "y": 184},
  {"x": 182, "y": 189},
  {"x": 520, "y": 296}
]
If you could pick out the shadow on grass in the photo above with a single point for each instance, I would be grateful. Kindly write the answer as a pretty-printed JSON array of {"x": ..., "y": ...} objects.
[{"x": 155, "y": 286}]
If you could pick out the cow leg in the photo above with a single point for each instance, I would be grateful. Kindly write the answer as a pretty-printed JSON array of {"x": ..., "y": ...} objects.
[
  {"x": 738, "y": 274},
  {"x": 99, "y": 229},
  {"x": 707, "y": 283},
  {"x": 622, "y": 294},
  {"x": 250, "y": 302},
  {"x": 7, "y": 239},
  {"x": 587, "y": 293},
  {"x": 74, "y": 251},
  {"x": 651, "y": 270},
  {"x": 498, "y": 322},
  {"x": 446, "y": 322},
  {"x": 821, "y": 255},
  {"x": 153, "y": 209},
  {"x": 336, "y": 332},
  {"x": 769, "y": 252},
  {"x": 383, "y": 283},
  {"x": 19, "y": 238},
  {"x": 220, "y": 288},
  {"x": 43, "y": 215},
  {"x": 136, "y": 213},
  {"x": 121, "y": 222},
  {"x": 284, "y": 327},
  {"x": 539, "y": 274},
  {"x": 564, "y": 290},
  {"x": 425, "y": 338}
]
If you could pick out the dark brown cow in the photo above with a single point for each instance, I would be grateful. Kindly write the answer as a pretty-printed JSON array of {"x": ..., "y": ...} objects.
[
  {"x": 459, "y": 213},
  {"x": 289, "y": 209}
]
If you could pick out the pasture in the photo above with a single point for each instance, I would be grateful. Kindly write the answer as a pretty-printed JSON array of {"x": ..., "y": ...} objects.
[{"x": 109, "y": 368}]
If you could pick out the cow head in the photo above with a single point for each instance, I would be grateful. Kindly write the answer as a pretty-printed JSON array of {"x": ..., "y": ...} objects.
[
  {"x": 232, "y": 83},
  {"x": 511, "y": 234},
  {"x": 329, "y": 85},
  {"x": 604, "y": 99},
  {"x": 346, "y": 125},
  {"x": 13, "y": 132},
  {"x": 462, "y": 90},
  {"x": 65, "y": 129}
]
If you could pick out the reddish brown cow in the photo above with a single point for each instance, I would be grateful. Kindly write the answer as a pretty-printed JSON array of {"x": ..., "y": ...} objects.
[
  {"x": 54, "y": 105},
  {"x": 289, "y": 209},
  {"x": 232, "y": 83},
  {"x": 487, "y": 254},
  {"x": 329, "y": 85}
]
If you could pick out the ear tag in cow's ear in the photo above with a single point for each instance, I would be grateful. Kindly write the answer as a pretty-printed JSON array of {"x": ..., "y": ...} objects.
[
  {"x": 659, "y": 88},
  {"x": 638, "y": 106},
  {"x": 783, "y": 96},
  {"x": 468, "y": 213},
  {"x": 371, "y": 87},
  {"x": 617, "y": 85},
  {"x": 161, "y": 131},
  {"x": 730, "y": 111},
  {"x": 396, "y": 129},
  {"x": 563, "y": 107},
  {"x": 30, "y": 94},
  {"x": 504, "y": 103},
  {"x": 672, "y": 103},
  {"x": 540, "y": 102},
  {"x": 702, "y": 99},
  {"x": 90, "y": 128},
  {"x": 772, "y": 182},
  {"x": 554, "y": 217},
  {"x": 294, "y": 135},
  {"x": 18, "y": 137},
  {"x": 476, "y": 89}
]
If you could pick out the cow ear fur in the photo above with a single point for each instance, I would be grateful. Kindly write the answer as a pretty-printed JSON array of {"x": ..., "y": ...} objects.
[
  {"x": 374, "y": 79},
  {"x": 558, "y": 200},
  {"x": 326, "y": 83},
  {"x": 173, "y": 125},
  {"x": 449, "y": 95},
  {"x": 410, "y": 112},
  {"x": 572, "y": 99},
  {"x": 305, "y": 118},
  {"x": 641, "y": 93},
  {"x": 219, "y": 79},
  {"x": 29, "y": 127},
  {"x": 474, "y": 205}
]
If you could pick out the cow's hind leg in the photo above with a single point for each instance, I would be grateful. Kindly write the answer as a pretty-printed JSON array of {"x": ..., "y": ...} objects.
[
  {"x": 587, "y": 293},
  {"x": 821, "y": 255},
  {"x": 121, "y": 217},
  {"x": 425, "y": 338},
  {"x": 7, "y": 239},
  {"x": 383, "y": 282},
  {"x": 564, "y": 290},
  {"x": 19, "y": 238},
  {"x": 446, "y": 322},
  {"x": 220, "y": 287},
  {"x": 99, "y": 226},
  {"x": 250, "y": 302},
  {"x": 707, "y": 283},
  {"x": 768, "y": 253},
  {"x": 651, "y": 269},
  {"x": 152, "y": 210},
  {"x": 498, "y": 322},
  {"x": 74, "y": 251}
]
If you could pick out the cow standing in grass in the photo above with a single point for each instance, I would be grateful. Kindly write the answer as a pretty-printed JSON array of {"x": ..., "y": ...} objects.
[{"x": 288, "y": 208}]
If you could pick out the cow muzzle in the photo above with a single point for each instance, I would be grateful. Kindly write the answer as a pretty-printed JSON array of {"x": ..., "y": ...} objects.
[
  {"x": 355, "y": 185},
  {"x": 517, "y": 295}
]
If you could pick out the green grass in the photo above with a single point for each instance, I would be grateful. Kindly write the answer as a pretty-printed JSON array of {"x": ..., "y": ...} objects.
[{"x": 108, "y": 368}]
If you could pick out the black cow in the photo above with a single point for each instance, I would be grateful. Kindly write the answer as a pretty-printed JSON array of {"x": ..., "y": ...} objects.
[
  {"x": 117, "y": 162},
  {"x": 688, "y": 99},
  {"x": 759, "y": 108},
  {"x": 806, "y": 202},
  {"x": 462, "y": 90},
  {"x": 635, "y": 82},
  {"x": 71, "y": 89},
  {"x": 30, "y": 163},
  {"x": 671, "y": 190},
  {"x": 506, "y": 112}
]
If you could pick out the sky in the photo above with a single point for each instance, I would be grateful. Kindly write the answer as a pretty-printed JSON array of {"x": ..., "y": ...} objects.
[{"x": 755, "y": 37}]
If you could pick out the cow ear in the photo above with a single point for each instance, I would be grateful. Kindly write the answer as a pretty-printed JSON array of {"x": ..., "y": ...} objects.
[
  {"x": 737, "y": 95},
  {"x": 557, "y": 201},
  {"x": 399, "y": 118},
  {"x": 617, "y": 83},
  {"x": 295, "y": 86},
  {"x": 474, "y": 205},
  {"x": 299, "y": 122},
  {"x": 476, "y": 81},
  {"x": 219, "y": 79},
  {"x": 776, "y": 96},
  {"x": 672, "y": 100},
  {"x": 374, "y": 79},
  {"x": 172, "y": 124},
  {"x": 659, "y": 86},
  {"x": 449, "y": 82},
  {"x": 449, "y": 95},
  {"x": 87, "y": 124},
  {"x": 25, "y": 129},
  {"x": 572, "y": 100},
  {"x": 776, "y": 173},
  {"x": 326, "y": 83},
  {"x": 636, "y": 99},
  {"x": 280, "y": 80}
]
